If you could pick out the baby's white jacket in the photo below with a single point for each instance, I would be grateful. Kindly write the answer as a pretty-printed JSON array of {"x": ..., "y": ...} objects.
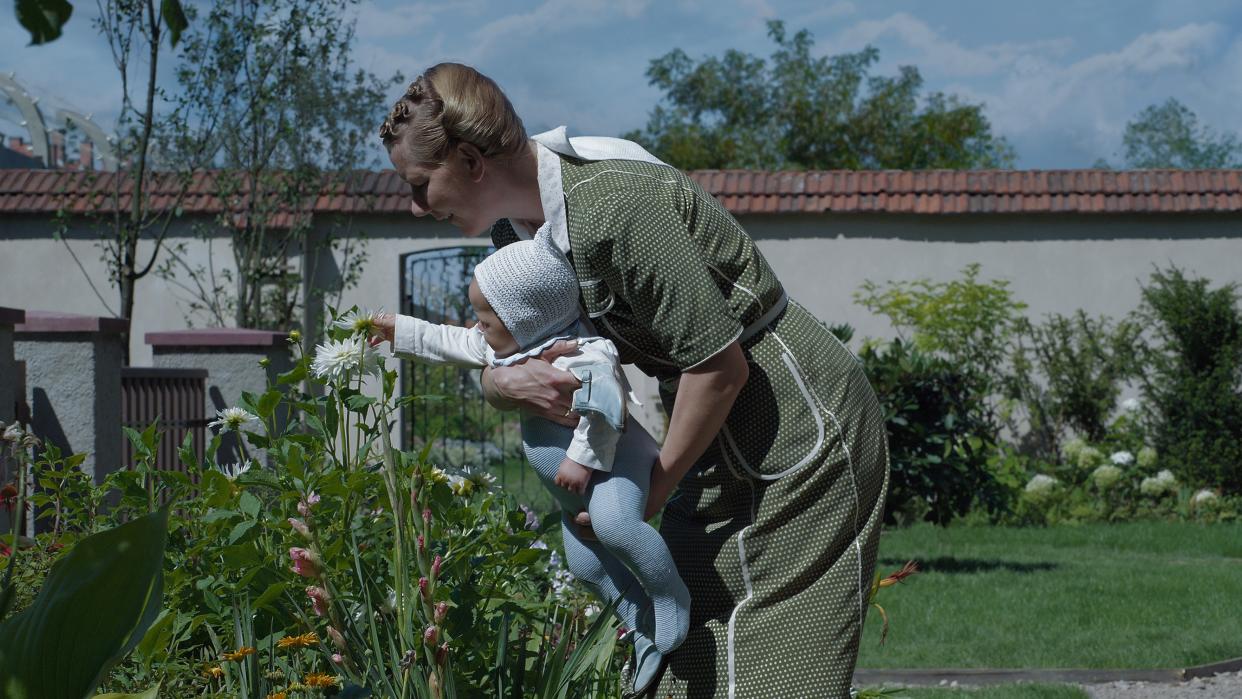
[{"x": 594, "y": 444}]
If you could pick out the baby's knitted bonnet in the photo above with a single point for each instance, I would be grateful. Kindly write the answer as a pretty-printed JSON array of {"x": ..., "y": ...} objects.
[{"x": 532, "y": 287}]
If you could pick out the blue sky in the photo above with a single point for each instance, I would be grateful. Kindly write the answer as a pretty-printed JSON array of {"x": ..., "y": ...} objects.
[{"x": 1059, "y": 79}]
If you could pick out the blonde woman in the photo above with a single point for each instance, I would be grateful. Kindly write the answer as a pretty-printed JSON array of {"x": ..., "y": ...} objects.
[{"x": 775, "y": 447}]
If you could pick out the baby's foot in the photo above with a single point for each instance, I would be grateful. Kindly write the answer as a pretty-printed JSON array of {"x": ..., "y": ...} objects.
[
  {"x": 672, "y": 617},
  {"x": 645, "y": 665}
]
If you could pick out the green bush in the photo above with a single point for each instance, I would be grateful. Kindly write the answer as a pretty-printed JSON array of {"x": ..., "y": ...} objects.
[
  {"x": 1192, "y": 377},
  {"x": 940, "y": 450},
  {"x": 969, "y": 322},
  {"x": 1067, "y": 374}
]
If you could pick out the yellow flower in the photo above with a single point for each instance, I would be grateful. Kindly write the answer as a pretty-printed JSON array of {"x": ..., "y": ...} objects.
[
  {"x": 306, "y": 640},
  {"x": 319, "y": 679},
  {"x": 214, "y": 672},
  {"x": 238, "y": 655}
]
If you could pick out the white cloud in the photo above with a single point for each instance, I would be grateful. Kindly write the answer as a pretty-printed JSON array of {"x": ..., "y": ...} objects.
[
  {"x": 409, "y": 20},
  {"x": 553, "y": 17},
  {"x": 936, "y": 53},
  {"x": 1081, "y": 107}
]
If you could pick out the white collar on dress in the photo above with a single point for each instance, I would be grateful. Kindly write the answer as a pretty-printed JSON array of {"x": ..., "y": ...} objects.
[
  {"x": 551, "y": 188},
  {"x": 549, "y": 147}
]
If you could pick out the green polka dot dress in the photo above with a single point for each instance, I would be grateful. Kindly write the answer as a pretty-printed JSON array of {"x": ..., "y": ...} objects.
[{"x": 775, "y": 529}]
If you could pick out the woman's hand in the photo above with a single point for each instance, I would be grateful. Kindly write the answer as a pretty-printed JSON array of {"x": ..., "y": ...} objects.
[{"x": 535, "y": 386}]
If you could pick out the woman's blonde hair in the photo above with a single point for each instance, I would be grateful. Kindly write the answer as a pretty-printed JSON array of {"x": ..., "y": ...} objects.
[{"x": 452, "y": 103}]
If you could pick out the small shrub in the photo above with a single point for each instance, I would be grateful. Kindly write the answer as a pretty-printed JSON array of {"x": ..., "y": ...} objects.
[
  {"x": 940, "y": 446},
  {"x": 1192, "y": 377},
  {"x": 1067, "y": 374}
]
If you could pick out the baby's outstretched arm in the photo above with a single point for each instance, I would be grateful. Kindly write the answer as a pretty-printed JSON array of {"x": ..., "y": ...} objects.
[{"x": 434, "y": 343}]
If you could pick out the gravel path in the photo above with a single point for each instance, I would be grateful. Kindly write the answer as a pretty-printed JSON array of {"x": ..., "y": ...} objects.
[{"x": 1223, "y": 686}]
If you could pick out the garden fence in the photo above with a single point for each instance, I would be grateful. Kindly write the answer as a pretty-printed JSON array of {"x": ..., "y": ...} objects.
[{"x": 176, "y": 398}]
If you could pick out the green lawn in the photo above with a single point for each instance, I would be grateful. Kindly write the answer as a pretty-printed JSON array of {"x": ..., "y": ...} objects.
[
  {"x": 1006, "y": 691},
  {"x": 1142, "y": 595}
]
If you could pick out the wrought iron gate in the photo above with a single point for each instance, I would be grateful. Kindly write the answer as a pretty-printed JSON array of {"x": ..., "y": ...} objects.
[{"x": 462, "y": 430}]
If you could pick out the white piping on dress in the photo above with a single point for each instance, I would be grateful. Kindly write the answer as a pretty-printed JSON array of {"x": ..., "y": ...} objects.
[
  {"x": 849, "y": 461},
  {"x": 811, "y": 403},
  {"x": 731, "y": 652}
]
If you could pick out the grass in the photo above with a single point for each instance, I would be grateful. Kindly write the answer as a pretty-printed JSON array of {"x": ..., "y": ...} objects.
[{"x": 1137, "y": 595}]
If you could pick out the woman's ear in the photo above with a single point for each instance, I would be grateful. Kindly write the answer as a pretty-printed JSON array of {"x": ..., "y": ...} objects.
[{"x": 473, "y": 161}]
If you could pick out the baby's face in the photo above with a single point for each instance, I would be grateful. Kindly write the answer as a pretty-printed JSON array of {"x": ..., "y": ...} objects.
[{"x": 494, "y": 331}]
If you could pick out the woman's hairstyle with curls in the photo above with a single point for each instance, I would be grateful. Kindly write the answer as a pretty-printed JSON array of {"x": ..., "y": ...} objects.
[{"x": 452, "y": 103}]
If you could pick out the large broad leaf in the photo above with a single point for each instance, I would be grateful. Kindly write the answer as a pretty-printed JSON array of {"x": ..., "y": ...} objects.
[
  {"x": 43, "y": 18},
  {"x": 94, "y": 607}
]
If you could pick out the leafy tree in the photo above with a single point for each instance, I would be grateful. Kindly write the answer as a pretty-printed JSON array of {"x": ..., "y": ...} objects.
[
  {"x": 1169, "y": 135},
  {"x": 135, "y": 30},
  {"x": 44, "y": 19},
  {"x": 796, "y": 111},
  {"x": 278, "y": 74}
]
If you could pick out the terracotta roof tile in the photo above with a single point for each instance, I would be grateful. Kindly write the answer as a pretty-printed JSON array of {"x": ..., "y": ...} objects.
[{"x": 740, "y": 191}]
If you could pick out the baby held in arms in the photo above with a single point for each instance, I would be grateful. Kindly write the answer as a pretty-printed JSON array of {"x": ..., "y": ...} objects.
[{"x": 525, "y": 296}]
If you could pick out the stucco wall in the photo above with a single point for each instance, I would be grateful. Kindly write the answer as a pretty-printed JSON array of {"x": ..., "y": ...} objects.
[
  {"x": 73, "y": 388},
  {"x": 1054, "y": 263}
]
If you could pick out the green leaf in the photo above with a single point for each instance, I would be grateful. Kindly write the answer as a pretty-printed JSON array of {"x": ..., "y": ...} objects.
[
  {"x": 174, "y": 19},
  {"x": 294, "y": 375},
  {"x": 240, "y": 530},
  {"x": 186, "y": 452},
  {"x": 152, "y": 693},
  {"x": 360, "y": 402},
  {"x": 259, "y": 476},
  {"x": 268, "y": 402},
  {"x": 43, "y": 18},
  {"x": 218, "y": 514},
  {"x": 249, "y": 504},
  {"x": 94, "y": 607},
  {"x": 157, "y": 637},
  {"x": 273, "y": 591}
]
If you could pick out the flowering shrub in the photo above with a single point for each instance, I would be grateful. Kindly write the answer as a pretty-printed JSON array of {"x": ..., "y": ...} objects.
[
  {"x": 1096, "y": 485},
  {"x": 348, "y": 565}
]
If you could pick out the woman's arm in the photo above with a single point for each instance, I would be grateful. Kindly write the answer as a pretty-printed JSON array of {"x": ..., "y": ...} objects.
[{"x": 705, "y": 395}]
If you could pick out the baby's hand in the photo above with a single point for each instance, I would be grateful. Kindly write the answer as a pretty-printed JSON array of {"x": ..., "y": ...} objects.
[{"x": 573, "y": 476}]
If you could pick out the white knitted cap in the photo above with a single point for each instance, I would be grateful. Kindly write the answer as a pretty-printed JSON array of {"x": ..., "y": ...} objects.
[{"x": 531, "y": 286}]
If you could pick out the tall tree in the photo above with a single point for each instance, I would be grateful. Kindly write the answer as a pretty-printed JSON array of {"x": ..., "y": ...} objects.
[
  {"x": 796, "y": 111},
  {"x": 135, "y": 31},
  {"x": 268, "y": 90},
  {"x": 1169, "y": 135}
]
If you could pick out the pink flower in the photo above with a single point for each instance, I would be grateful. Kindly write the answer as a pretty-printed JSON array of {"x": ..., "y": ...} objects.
[
  {"x": 305, "y": 562},
  {"x": 441, "y": 612},
  {"x": 430, "y": 635},
  {"x": 427, "y": 516},
  {"x": 435, "y": 567},
  {"x": 337, "y": 638},
  {"x": 422, "y": 545},
  {"x": 424, "y": 586},
  {"x": 300, "y": 527},
  {"x": 319, "y": 600},
  {"x": 338, "y": 659},
  {"x": 306, "y": 504},
  {"x": 442, "y": 654}
]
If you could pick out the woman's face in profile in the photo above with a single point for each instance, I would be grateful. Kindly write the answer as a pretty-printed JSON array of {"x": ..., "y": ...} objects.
[{"x": 447, "y": 191}]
